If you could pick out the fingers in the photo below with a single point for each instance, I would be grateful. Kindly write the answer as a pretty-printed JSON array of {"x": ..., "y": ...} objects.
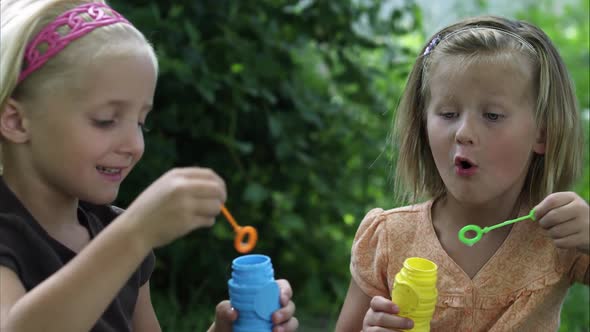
[
  {"x": 199, "y": 191},
  {"x": 203, "y": 182},
  {"x": 565, "y": 217},
  {"x": 577, "y": 236},
  {"x": 552, "y": 202},
  {"x": 380, "y": 321},
  {"x": 198, "y": 172},
  {"x": 284, "y": 314},
  {"x": 285, "y": 290},
  {"x": 225, "y": 315},
  {"x": 206, "y": 188},
  {"x": 283, "y": 318},
  {"x": 381, "y": 304},
  {"x": 382, "y": 316},
  {"x": 563, "y": 229},
  {"x": 560, "y": 212},
  {"x": 558, "y": 215},
  {"x": 209, "y": 208},
  {"x": 185, "y": 198},
  {"x": 290, "y": 326}
]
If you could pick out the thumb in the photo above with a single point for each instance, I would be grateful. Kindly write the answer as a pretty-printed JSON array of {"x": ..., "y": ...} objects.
[{"x": 225, "y": 316}]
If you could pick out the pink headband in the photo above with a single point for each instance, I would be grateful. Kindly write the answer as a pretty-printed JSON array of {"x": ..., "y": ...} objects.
[{"x": 79, "y": 27}]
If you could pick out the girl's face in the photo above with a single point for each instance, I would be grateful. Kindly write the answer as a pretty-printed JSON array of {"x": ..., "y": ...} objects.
[
  {"x": 83, "y": 146},
  {"x": 481, "y": 126}
]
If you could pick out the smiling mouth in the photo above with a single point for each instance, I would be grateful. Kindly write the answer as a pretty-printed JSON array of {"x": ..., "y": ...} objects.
[{"x": 109, "y": 170}]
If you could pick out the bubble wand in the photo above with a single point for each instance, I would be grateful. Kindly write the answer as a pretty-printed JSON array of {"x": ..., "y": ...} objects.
[
  {"x": 241, "y": 232},
  {"x": 479, "y": 232}
]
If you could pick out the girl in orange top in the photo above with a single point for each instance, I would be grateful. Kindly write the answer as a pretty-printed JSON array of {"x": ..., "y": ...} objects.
[{"x": 488, "y": 129}]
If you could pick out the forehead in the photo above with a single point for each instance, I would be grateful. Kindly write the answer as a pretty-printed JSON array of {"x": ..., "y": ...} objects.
[
  {"x": 494, "y": 74},
  {"x": 119, "y": 77}
]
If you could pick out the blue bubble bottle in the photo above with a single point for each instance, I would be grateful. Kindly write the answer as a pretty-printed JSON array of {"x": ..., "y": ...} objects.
[{"x": 254, "y": 292}]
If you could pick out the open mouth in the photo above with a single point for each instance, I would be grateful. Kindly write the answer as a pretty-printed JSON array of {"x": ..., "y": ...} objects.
[
  {"x": 464, "y": 163},
  {"x": 109, "y": 170}
]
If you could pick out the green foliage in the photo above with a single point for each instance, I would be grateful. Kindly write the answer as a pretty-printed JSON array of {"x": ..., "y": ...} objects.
[
  {"x": 570, "y": 31},
  {"x": 291, "y": 103}
]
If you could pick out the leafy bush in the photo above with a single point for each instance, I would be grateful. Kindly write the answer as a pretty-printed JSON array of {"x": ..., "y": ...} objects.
[{"x": 291, "y": 103}]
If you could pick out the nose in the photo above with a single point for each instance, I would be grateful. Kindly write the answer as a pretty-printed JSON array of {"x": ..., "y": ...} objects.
[
  {"x": 131, "y": 142},
  {"x": 466, "y": 132}
]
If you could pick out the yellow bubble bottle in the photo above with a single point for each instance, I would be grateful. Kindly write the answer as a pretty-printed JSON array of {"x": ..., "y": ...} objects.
[{"x": 414, "y": 291}]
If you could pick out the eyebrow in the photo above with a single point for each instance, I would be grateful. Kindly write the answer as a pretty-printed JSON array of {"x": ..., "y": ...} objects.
[{"x": 119, "y": 104}]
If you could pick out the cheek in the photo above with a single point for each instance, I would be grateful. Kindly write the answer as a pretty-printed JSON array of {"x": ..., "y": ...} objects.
[
  {"x": 511, "y": 154},
  {"x": 438, "y": 137},
  {"x": 439, "y": 129},
  {"x": 140, "y": 152},
  {"x": 431, "y": 132}
]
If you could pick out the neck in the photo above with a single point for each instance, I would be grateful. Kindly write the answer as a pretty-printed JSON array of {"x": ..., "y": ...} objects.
[
  {"x": 49, "y": 207},
  {"x": 484, "y": 214}
]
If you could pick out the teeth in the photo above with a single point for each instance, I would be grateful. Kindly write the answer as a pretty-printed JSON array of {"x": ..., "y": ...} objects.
[{"x": 107, "y": 170}]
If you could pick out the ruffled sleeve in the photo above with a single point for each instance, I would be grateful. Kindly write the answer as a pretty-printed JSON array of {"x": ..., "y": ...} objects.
[
  {"x": 580, "y": 268},
  {"x": 368, "y": 264}
]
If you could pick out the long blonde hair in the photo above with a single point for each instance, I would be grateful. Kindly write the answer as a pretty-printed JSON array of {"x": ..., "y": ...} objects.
[
  {"x": 22, "y": 20},
  {"x": 556, "y": 107}
]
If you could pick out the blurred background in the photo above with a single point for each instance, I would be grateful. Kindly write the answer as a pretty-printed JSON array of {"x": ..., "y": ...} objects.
[{"x": 292, "y": 103}]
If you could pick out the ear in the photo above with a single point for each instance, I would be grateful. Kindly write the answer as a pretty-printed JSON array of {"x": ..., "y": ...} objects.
[
  {"x": 13, "y": 122},
  {"x": 540, "y": 141}
]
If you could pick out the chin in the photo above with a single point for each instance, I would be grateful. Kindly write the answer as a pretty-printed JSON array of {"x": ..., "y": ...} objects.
[{"x": 468, "y": 197}]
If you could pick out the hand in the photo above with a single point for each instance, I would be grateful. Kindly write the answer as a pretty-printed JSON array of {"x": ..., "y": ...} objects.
[
  {"x": 382, "y": 316},
  {"x": 282, "y": 319},
  {"x": 178, "y": 202},
  {"x": 225, "y": 316},
  {"x": 565, "y": 216}
]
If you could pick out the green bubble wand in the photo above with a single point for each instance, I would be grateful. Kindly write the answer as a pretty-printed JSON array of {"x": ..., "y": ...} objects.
[{"x": 479, "y": 232}]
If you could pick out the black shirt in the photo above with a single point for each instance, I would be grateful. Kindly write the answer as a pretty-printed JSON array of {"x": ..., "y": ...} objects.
[{"x": 28, "y": 250}]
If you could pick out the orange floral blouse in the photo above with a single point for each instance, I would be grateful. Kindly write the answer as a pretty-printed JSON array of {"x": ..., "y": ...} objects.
[{"x": 521, "y": 288}]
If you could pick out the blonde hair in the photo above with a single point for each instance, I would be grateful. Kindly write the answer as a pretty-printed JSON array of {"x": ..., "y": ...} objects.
[
  {"x": 22, "y": 20},
  {"x": 556, "y": 107}
]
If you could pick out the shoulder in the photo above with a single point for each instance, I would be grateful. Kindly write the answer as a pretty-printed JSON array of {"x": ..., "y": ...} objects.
[
  {"x": 16, "y": 233},
  {"x": 400, "y": 218},
  {"x": 27, "y": 250},
  {"x": 382, "y": 228},
  {"x": 408, "y": 213},
  {"x": 382, "y": 236},
  {"x": 18, "y": 230}
]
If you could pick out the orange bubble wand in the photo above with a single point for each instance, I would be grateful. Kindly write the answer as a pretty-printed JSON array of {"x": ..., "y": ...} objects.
[{"x": 241, "y": 232}]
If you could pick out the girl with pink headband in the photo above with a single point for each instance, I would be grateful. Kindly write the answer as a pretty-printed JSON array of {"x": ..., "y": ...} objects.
[{"x": 77, "y": 83}]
